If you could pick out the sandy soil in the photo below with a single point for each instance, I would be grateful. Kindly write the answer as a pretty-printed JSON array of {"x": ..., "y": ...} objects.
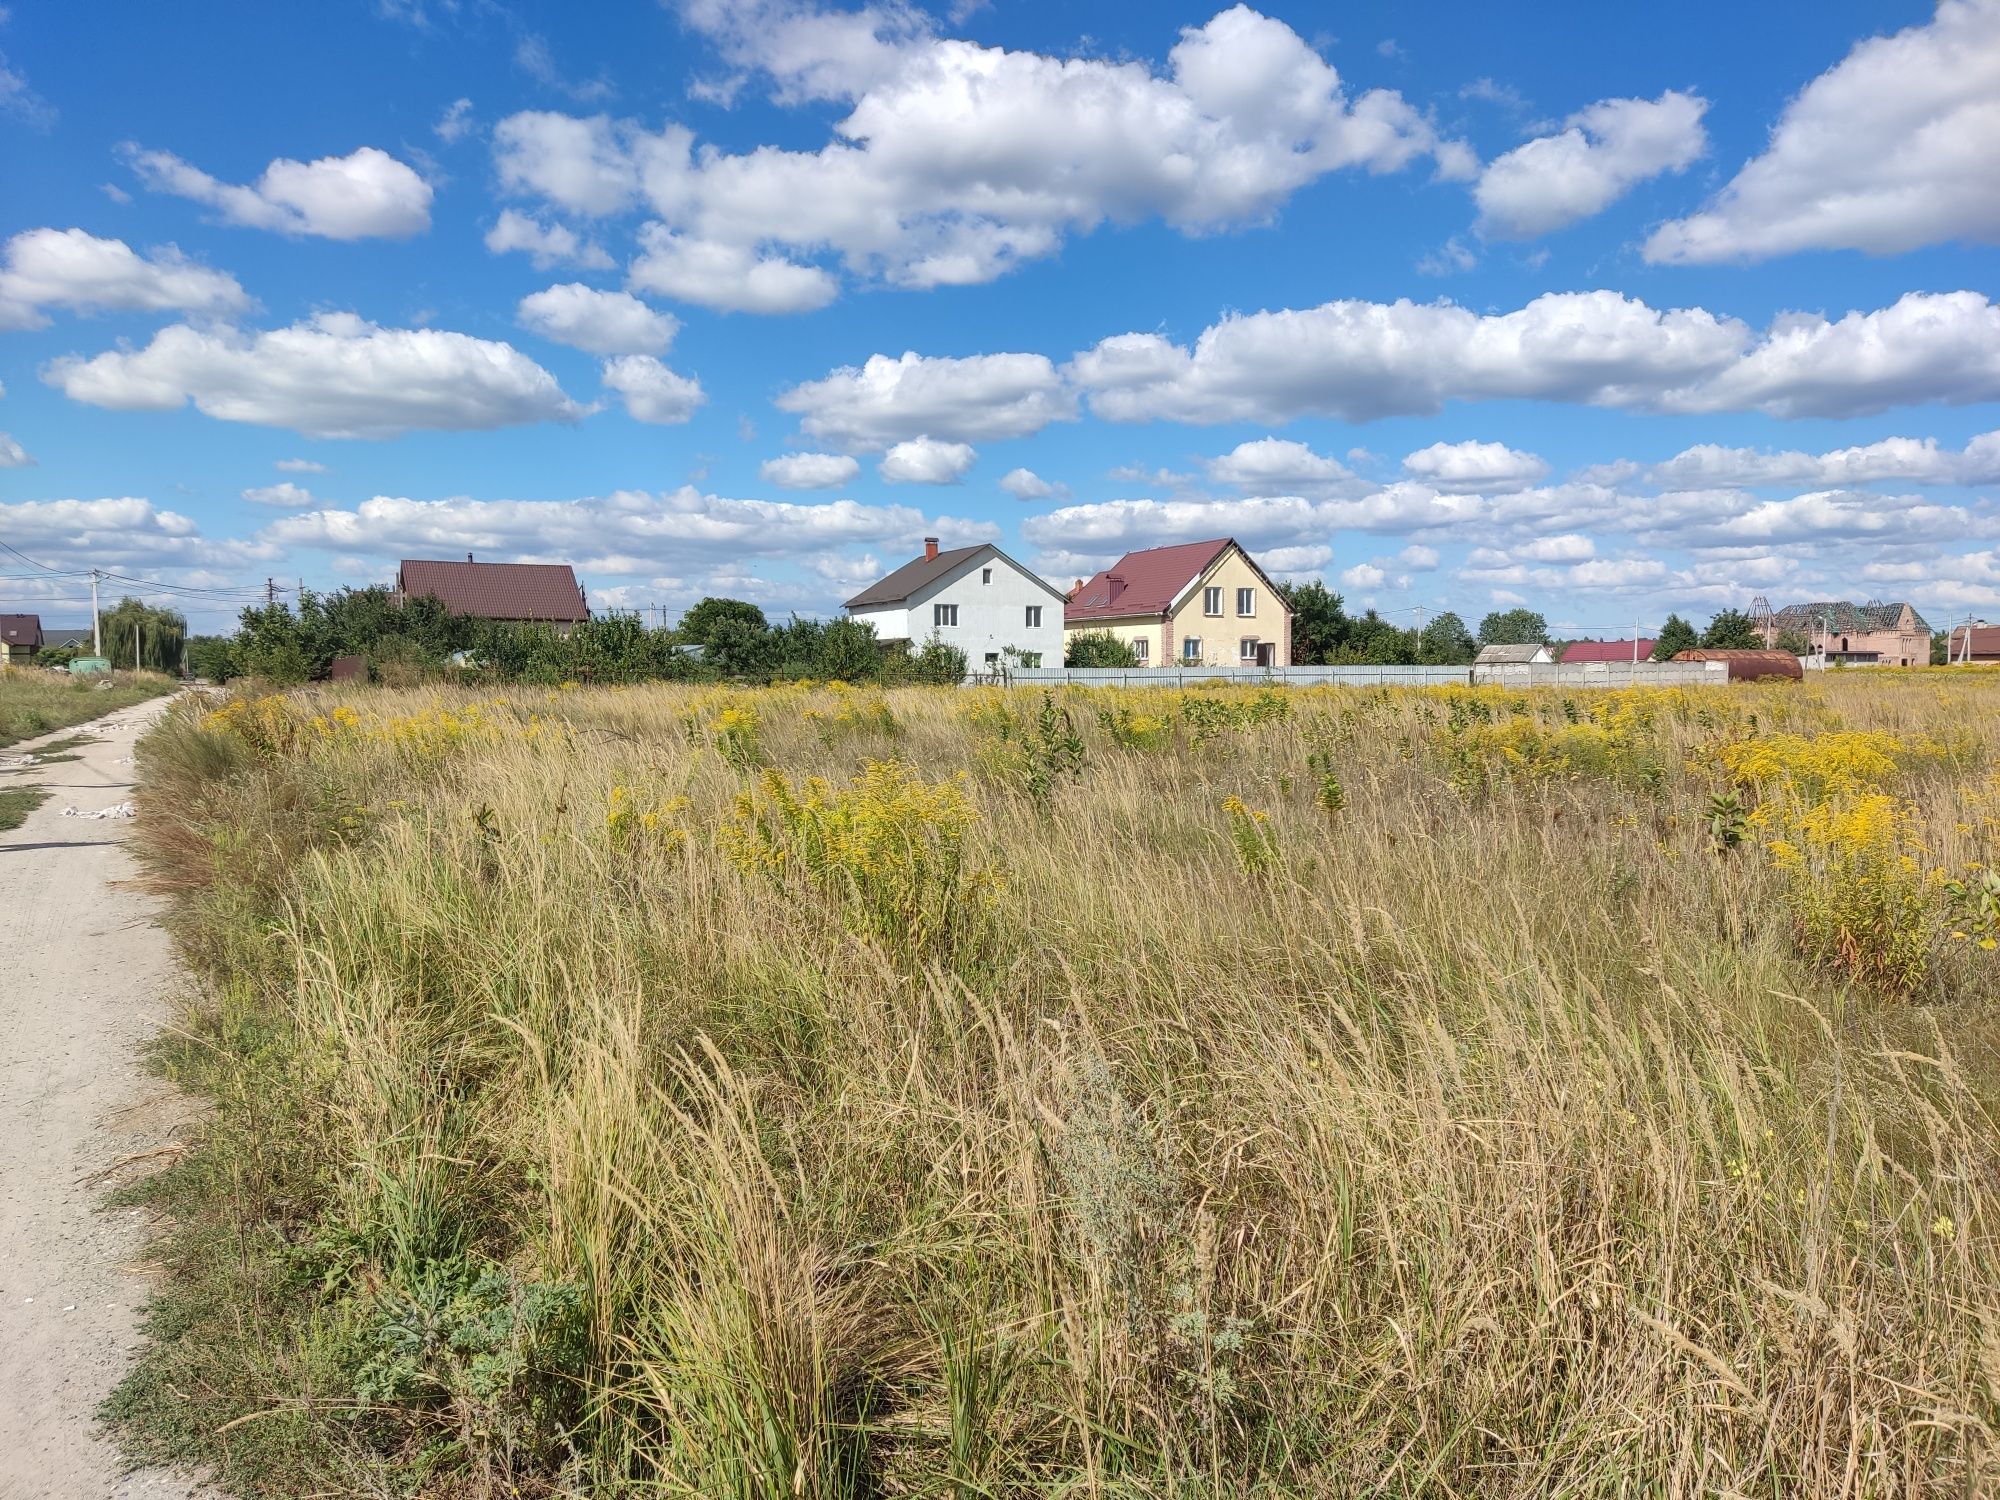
[{"x": 85, "y": 977}]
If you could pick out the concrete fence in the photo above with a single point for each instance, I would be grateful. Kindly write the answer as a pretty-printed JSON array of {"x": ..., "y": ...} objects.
[{"x": 1583, "y": 675}]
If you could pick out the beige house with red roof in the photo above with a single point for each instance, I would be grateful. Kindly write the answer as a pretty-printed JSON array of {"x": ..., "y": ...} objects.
[{"x": 1197, "y": 604}]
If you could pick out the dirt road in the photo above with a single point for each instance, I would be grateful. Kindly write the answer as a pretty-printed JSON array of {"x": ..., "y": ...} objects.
[{"x": 85, "y": 978}]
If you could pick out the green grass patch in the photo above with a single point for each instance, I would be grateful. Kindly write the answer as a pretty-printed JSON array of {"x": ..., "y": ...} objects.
[
  {"x": 16, "y": 802},
  {"x": 35, "y": 703}
]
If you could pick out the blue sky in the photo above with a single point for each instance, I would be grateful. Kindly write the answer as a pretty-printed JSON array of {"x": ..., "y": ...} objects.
[{"x": 1608, "y": 312}]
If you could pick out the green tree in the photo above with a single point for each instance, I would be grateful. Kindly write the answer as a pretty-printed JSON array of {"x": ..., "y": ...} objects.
[
  {"x": 1098, "y": 648},
  {"x": 848, "y": 651},
  {"x": 737, "y": 646},
  {"x": 1676, "y": 636},
  {"x": 1513, "y": 627},
  {"x": 1319, "y": 622},
  {"x": 1940, "y": 648},
  {"x": 1447, "y": 643},
  {"x": 698, "y": 625},
  {"x": 213, "y": 657},
  {"x": 1795, "y": 642},
  {"x": 137, "y": 634},
  {"x": 936, "y": 661},
  {"x": 1731, "y": 630}
]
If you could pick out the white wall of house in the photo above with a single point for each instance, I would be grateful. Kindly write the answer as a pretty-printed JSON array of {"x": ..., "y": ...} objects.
[{"x": 992, "y": 595}]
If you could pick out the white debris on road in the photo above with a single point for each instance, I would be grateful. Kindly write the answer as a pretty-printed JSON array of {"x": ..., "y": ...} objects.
[{"x": 115, "y": 810}]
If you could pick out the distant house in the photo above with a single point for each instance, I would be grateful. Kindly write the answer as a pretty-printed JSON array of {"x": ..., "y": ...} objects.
[
  {"x": 518, "y": 593},
  {"x": 1976, "y": 643},
  {"x": 20, "y": 639},
  {"x": 1513, "y": 656},
  {"x": 1888, "y": 635},
  {"x": 975, "y": 598},
  {"x": 75, "y": 636},
  {"x": 1199, "y": 604},
  {"x": 1607, "y": 651}
]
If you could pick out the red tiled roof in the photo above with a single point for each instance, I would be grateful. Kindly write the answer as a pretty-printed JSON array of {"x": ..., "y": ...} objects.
[
  {"x": 21, "y": 630},
  {"x": 1148, "y": 582},
  {"x": 498, "y": 591},
  {"x": 1577, "y": 651},
  {"x": 1985, "y": 641}
]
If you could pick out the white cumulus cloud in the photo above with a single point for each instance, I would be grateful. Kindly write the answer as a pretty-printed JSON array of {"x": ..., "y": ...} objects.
[
  {"x": 546, "y": 245},
  {"x": 1271, "y": 466},
  {"x": 1472, "y": 467},
  {"x": 1903, "y": 460},
  {"x": 365, "y": 194},
  {"x": 984, "y": 396},
  {"x": 925, "y": 460},
  {"x": 600, "y": 322},
  {"x": 68, "y": 268},
  {"x": 285, "y": 494},
  {"x": 728, "y": 278},
  {"x": 955, "y": 162},
  {"x": 335, "y": 375},
  {"x": 1026, "y": 484},
  {"x": 809, "y": 471},
  {"x": 13, "y": 455},
  {"x": 652, "y": 392},
  {"x": 1361, "y": 360},
  {"x": 299, "y": 466},
  {"x": 1601, "y": 154},
  {"x": 1891, "y": 148}
]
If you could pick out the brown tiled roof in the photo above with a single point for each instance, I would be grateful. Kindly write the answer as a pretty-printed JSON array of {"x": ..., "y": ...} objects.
[
  {"x": 497, "y": 591},
  {"x": 912, "y": 576},
  {"x": 1577, "y": 651},
  {"x": 1148, "y": 582},
  {"x": 21, "y": 630},
  {"x": 1985, "y": 640}
]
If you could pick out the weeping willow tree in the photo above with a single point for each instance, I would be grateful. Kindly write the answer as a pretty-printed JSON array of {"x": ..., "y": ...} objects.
[{"x": 143, "y": 635}]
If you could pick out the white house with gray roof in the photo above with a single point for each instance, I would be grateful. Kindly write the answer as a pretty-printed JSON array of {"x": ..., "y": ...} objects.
[{"x": 975, "y": 598}]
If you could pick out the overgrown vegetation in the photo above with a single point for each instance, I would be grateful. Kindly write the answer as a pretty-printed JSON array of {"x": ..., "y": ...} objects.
[
  {"x": 409, "y": 642},
  {"x": 836, "y": 1093},
  {"x": 16, "y": 802},
  {"x": 34, "y": 702}
]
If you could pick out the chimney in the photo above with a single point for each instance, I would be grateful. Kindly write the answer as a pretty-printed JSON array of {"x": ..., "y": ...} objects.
[
  {"x": 468, "y": 557},
  {"x": 930, "y": 549},
  {"x": 1114, "y": 585}
]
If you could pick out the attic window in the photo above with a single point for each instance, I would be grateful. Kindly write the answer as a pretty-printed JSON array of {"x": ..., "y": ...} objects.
[
  {"x": 985, "y": 575},
  {"x": 1211, "y": 601}
]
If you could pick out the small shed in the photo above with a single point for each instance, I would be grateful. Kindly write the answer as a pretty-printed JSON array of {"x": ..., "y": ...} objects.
[
  {"x": 1749, "y": 666},
  {"x": 1513, "y": 656}
]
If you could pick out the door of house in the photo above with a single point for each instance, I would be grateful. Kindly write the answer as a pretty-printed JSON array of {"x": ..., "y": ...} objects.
[{"x": 1265, "y": 654}]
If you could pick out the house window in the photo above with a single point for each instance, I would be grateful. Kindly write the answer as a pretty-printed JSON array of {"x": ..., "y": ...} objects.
[
  {"x": 1246, "y": 650},
  {"x": 1191, "y": 649},
  {"x": 944, "y": 616},
  {"x": 1246, "y": 601},
  {"x": 1142, "y": 649},
  {"x": 985, "y": 575},
  {"x": 1031, "y": 658},
  {"x": 993, "y": 658},
  {"x": 1034, "y": 617},
  {"x": 1211, "y": 601}
]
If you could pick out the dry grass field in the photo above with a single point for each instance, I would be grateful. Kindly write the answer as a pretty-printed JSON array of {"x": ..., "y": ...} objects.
[{"x": 824, "y": 1093}]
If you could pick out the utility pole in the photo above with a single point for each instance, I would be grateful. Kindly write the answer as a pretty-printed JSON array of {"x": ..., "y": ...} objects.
[
  {"x": 135, "y": 645},
  {"x": 270, "y": 592},
  {"x": 96, "y": 628},
  {"x": 1420, "y": 632}
]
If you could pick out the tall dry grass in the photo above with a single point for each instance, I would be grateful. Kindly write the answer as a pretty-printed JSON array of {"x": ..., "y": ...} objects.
[{"x": 1334, "y": 1093}]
